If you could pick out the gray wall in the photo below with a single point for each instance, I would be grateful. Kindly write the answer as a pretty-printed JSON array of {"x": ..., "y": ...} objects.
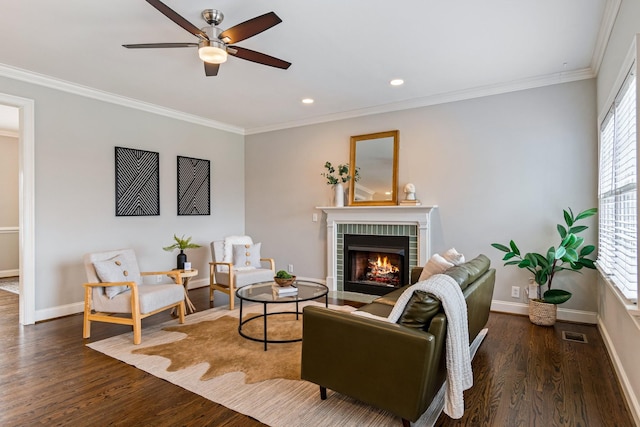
[
  {"x": 620, "y": 330},
  {"x": 75, "y": 138},
  {"x": 500, "y": 167},
  {"x": 8, "y": 204}
]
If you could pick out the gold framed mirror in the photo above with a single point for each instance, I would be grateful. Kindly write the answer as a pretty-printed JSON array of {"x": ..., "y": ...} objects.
[{"x": 374, "y": 157}]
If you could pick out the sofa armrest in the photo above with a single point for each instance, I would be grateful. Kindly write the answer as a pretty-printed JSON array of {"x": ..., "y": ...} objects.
[{"x": 384, "y": 364}]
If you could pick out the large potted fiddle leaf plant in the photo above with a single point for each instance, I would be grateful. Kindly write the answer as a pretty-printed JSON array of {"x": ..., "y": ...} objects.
[{"x": 571, "y": 254}]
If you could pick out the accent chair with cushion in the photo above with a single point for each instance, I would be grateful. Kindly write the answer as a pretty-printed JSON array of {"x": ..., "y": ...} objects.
[
  {"x": 114, "y": 287},
  {"x": 237, "y": 263}
]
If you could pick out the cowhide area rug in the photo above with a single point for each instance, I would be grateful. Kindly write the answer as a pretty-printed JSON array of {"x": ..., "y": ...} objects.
[
  {"x": 218, "y": 344},
  {"x": 207, "y": 356}
]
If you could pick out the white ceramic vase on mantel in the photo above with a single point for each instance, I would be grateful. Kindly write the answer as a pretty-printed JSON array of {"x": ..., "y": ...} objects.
[{"x": 338, "y": 197}]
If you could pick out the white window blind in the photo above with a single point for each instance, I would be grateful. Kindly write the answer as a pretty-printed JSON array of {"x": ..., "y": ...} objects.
[{"x": 617, "y": 191}]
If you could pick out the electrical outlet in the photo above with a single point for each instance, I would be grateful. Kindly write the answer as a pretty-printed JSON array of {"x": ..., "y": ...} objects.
[
  {"x": 158, "y": 278},
  {"x": 515, "y": 292},
  {"x": 314, "y": 217},
  {"x": 290, "y": 268}
]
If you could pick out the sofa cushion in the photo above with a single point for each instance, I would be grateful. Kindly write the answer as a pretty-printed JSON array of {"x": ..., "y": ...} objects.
[
  {"x": 151, "y": 298},
  {"x": 417, "y": 313},
  {"x": 468, "y": 272},
  {"x": 420, "y": 310}
]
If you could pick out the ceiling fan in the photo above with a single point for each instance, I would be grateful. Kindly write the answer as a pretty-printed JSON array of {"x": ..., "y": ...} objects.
[{"x": 215, "y": 44}]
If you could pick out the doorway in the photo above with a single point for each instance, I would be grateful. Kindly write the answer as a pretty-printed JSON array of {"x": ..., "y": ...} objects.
[
  {"x": 26, "y": 198},
  {"x": 9, "y": 138}
]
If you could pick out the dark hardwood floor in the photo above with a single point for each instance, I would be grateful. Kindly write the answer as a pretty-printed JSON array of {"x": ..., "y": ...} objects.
[{"x": 524, "y": 375}]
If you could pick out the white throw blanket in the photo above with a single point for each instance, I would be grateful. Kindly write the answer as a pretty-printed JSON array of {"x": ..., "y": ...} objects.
[{"x": 459, "y": 374}]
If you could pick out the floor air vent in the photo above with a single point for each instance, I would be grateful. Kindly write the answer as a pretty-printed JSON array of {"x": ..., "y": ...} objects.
[{"x": 574, "y": 336}]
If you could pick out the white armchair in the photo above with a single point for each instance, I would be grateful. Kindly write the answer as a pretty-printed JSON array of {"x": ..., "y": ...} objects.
[
  {"x": 237, "y": 263},
  {"x": 114, "y": 286}
]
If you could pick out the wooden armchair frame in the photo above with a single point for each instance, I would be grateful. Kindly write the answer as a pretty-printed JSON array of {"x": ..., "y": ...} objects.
[
  {"x": 229, "y": 290},
  {"x": 136, "y": 316}
]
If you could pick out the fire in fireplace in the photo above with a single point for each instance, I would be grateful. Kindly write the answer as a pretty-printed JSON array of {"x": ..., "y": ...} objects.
[{"x": 375, "y": 264}]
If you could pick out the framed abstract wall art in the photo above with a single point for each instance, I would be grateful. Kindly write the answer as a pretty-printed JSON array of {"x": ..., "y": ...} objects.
[
  {"x": 194, "y": 186},
  {"x": 137, "y": 182}
]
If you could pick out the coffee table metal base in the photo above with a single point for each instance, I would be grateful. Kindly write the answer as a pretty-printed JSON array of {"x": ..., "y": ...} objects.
[{"x": 264, "y": 317}]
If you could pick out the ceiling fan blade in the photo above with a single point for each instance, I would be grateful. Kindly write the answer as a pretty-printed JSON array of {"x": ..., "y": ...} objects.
[
  {"x": 211, "y": 70},
  {"x": 158, "y": 45},
  {"x": 260, "y": 58},
  {"x": 175, "y": 17},
  {"x": 249, "y": 28}
]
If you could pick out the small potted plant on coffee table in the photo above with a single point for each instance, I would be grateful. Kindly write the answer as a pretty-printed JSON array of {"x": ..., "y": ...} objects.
[
  {"x": 283, "y": 278},
  {"x": 569, "y": 255}
]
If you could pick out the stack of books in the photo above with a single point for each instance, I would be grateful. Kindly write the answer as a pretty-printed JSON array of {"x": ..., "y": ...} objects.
[
  {"x": 285, "y": 291},
  {"x": 410, "y": 203}
]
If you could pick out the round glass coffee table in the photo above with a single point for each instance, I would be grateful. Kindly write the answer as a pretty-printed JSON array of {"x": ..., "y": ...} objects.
[{"x": 268, "y": 293}]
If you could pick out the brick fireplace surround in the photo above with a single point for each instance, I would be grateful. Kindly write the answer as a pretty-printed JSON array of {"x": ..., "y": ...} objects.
[{"x": 412, "y": 221}]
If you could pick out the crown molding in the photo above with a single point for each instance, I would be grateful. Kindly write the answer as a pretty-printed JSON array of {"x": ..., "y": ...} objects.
[
  {"x": 88, "y": 92},
  {"x": 611, "y": 9},
  {"x": 477, "y": 92},
  {"x": 443, "y": 98}
]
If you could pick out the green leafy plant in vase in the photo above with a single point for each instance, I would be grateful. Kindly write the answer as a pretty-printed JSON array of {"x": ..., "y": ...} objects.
[
  {"x": 568, "y": 255},
  {"x": 337, "y": 177},
  {"x": 182, "y": 244}
]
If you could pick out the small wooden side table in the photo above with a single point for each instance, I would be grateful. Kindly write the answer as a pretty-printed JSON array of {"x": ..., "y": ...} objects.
[{"x": 186, "y": 275}]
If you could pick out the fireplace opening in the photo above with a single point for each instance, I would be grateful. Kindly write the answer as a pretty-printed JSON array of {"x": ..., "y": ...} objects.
[{"x": 375, "y": 264}]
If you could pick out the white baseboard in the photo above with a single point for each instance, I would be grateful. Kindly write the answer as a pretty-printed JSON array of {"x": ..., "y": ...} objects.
[
  {"x": 59, "y": 311},
  {"x": 200, "y": 283},
  {"x": 9, "y": 273},
  {"x": 632, "y": 399},
  {"x": 566, "y": 314}
]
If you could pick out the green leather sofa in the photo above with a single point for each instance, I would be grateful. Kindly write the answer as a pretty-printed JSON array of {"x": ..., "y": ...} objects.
[{"x": 398, "y": 367}]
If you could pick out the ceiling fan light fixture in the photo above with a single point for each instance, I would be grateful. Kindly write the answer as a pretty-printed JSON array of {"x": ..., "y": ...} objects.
[{"x": 212, "y": 51}]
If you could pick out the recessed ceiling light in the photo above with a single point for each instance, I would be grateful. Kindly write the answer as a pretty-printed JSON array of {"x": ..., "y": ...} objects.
[
  {"x": 396, "y": 82},
  {"x": 307, "y": 101}
]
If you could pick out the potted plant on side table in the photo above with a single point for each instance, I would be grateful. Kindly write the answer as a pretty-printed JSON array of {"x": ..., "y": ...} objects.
[
  {"x": 569, "y": 255},
  {"x": 182, "y": 244}
]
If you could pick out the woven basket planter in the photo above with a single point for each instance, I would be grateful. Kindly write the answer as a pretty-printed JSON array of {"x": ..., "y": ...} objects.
[{"x": 542, "y": 313}]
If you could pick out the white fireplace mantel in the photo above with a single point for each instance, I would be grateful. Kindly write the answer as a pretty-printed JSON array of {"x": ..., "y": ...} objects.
[{"x": 393, "y": 215}]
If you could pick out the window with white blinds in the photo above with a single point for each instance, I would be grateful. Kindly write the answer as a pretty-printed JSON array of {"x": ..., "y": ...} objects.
[{"x": 617, "y": 191}]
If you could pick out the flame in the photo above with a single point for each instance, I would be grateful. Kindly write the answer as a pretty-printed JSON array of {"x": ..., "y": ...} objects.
[{"x": 383, "y": 266}]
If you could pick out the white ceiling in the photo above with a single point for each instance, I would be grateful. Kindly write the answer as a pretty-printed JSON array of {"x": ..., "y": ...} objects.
[{"x": 344, "y": 53}]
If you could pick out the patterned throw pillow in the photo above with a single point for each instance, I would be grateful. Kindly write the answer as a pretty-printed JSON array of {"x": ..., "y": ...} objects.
[
  {"x": 246, "y": 257},
  {"x": 116, "y": 269}
]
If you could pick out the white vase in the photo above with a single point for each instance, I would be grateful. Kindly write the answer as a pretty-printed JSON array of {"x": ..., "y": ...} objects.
[{"x": 338, "y": 200}]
